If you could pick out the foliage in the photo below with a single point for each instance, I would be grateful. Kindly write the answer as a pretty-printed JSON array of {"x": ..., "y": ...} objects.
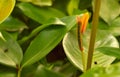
[
  {"x": 38, "y": 38},
  {"x": 111, "y": 71},
  {"x": 6, "y": 7},
  {"x": 74, "y": 54}
]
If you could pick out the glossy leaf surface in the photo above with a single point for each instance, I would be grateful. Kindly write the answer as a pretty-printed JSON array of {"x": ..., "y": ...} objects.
[
  {"x": 51, "y": 21},
  {"x": 6, "y": 7},
  {"x": 39, "y": 14},
  {"x": 110, "y": 51},
  {"x": 73, "y": 4},
  {"x": 12, "y": 24},
  {"x": 45, "y": 41},
  {"x": 39, "y": 2},
  {"x": 72, "y": 51},
  {"x": 111, "y": 71},
  {"x": 10, "y": 51},
  {"x": 110, "y": 9},
  {"x": 114, "y": 27},
  {"x": 69, "y": 21}
]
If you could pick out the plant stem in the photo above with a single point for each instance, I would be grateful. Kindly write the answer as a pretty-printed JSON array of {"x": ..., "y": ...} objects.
[
  {"x": 83, "y": 61},
  {"x": 19, "y": 73},
  {"x": 81, "y": 46},
  {"x": 97, "y": 4}
]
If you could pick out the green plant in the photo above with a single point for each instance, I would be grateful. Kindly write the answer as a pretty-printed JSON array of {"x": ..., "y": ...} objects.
[
  {"x": 6, "y": 7},
  {"x": 37, "y": 28}
]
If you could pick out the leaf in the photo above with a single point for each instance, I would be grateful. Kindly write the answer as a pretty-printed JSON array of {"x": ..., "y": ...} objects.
[
  {"x": 73, "y": 53},
  {"x": 42, "y": 2},
  {"x": 67, "y": 69},
  {"x": 70, "y": 22},
  {"x": 7, "y": 71},
  {"x": 44, "y": 72},
  {"x": 114, "y": 27},
  {"x": 4, "y": 74},
  {"x": 111, "y": 71},
  {"x": 110, "y": 9},
  {"x": 6, "y": 7},
  {"x": 39, "y": 14},
  {"x": 61, "y": 6},
  {"x": 84, "y": 4},
  {"x": 10, "y": 51},
  {"x": 12, "y": 24},
  {"x": 25, "y": 0},
  {"x": 73, "y": 4},
  {"x": 39, "y": 2},
  {"x": 102, "y": 25},
  {"x": 29, "y": 71},
  {"x": 47, "y": 39},
  {"x": 110, "y": 51},
  {"x": 51, "y": 21},
  {"x": 116, "y": 22}
]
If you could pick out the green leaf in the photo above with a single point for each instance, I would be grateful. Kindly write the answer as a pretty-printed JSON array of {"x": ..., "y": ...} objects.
[
  {"x": 29, "y": 71},
  {"x": 44, "y": 72},
  {"x": 116, "y": 22},
  {"x": 102, "y": 25},
  {"x": 7, "y": 71},
  {"x": 39, "y": 2},
  {"x": 61, "y": 6},
  {"x": 6, "y": 7},
  {"x": 25, "y": 0},
  {"x": 114, "y": 27},
  {"x": 110, "y": 9},
  {"x": 10, "y": 51},
  {"x": 84, "y": 4},
  {"x": 47, "y": 39},
  {"x": 67, "y": 69},
  {"x": 40, "y": 14},
  {"x": 111, "y": 71},
  {"x": 73, "y": 53},
  {"x": 12, "y": 24},
  {"x": 51, "y": 21},
  {"x": 42, "y": 2},
  {"x": 70, "y": 21},
  {"x": 73, "y": 4},
  {"x": 4, "y": 74},
  {"x": 110, "y": 51}
]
